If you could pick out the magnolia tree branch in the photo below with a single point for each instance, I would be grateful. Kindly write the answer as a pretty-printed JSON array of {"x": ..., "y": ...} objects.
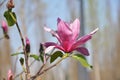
[
  {"x": 44, "y": 63},
  {"x": 27, "y": 74},
  {"x": 23, "y": 71},
  {"x": 32, "y": 64},
  {"x": 43, "y": 71}
]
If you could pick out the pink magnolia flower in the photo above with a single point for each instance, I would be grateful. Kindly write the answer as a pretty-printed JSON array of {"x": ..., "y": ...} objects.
[
  {"x": 67, "y": 35},
  {"x": 10, "y": 75},
  {"x": 4, "y": 27}
]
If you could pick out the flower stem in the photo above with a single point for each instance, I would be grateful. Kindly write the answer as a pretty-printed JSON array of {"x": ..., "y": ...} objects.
[
  {"x": 43, "y": 71},
  {"x": 27, "y": 74},
  {"x": 20, "y": 35}
]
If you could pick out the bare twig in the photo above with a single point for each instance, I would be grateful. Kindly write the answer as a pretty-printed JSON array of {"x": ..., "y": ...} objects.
[{"x": 15, "y": 65}]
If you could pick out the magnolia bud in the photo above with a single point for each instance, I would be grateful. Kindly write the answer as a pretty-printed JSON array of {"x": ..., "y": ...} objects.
[
  {"x": 5, "y": 29},
  {"x": 10, "y": 4},
  {"x": 27, "y": 47},
  {"x": 41, "y": 49},
  {"x": 10, "y": 75}
]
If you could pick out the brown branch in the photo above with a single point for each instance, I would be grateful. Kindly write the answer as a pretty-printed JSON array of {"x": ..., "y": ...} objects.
[
  {"x": 27, "y": 74},
  {"x": 44, "y": 63},
  {"x": 23, "y": 71},
  {"x": 40, "y": 73}
]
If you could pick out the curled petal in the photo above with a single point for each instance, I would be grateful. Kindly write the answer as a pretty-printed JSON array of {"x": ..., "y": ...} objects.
[{"x": 83, "y": 50}]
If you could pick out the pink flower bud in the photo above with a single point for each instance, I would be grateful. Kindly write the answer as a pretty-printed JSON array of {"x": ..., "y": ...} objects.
[
  {"x": 27, "y": 47},
  {"x": 4, "y": 27},
  {"x": 10, "y": 4},
  {"x": 27, "y": 41},
  {"x": 10, "y": 75}
]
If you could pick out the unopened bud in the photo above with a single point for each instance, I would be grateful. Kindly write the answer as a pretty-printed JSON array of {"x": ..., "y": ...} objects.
[
  {"x": 41, "y": 49},
  {"x": 10, "y": 4},
  {"x": 5, "y": 29},
  {"x": 27, "y": 47},
  {"x": 10, "y": 75}
]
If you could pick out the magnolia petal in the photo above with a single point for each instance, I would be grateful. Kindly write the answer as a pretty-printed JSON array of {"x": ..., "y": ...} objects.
[
  {"x": 48, "y": 49},
  {"x": 82, "y": 40},
  {"x": 58, "y": 20},
  {"x": 64, "y": 31},
  {"x": 94, "y": 31},
  {"x": 48, "y": 44},
  {"x": 4, "y": 26},
  {"x": 83, "y": 50},
  {"x": 53, "y": 33},
  {"x": 75, "y": 27},
  {"x": 10, "y": 75},
  {"x": 47, "y": 29},
  {"x": 27, "y": 41}
]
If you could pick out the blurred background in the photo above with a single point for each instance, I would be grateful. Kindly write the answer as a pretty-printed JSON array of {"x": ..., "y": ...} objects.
[{"x": 32, "y": 15}]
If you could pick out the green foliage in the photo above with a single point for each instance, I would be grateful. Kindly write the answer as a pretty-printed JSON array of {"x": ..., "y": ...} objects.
[
  {"x": 36, "y": 57},
  {"x": 55, "y": 55},
  {"x": 15, "y": 54},
  {"x": 21, "y": 61},
  {"x": 82, "y": 60},
  {"x": 10, "y": 17}
]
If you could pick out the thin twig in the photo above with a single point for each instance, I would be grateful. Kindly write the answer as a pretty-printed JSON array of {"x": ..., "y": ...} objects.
[
  {"x": 20, "y": 35},
  {"x": 50, "y": 67},
  {"x": 25, "y": 54},
  {"x": 40, "y": 73},
  {"x": 15, "y": 65},
  {"x": 23, "y": 71},
  {"x": 44, "y": 63}
]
